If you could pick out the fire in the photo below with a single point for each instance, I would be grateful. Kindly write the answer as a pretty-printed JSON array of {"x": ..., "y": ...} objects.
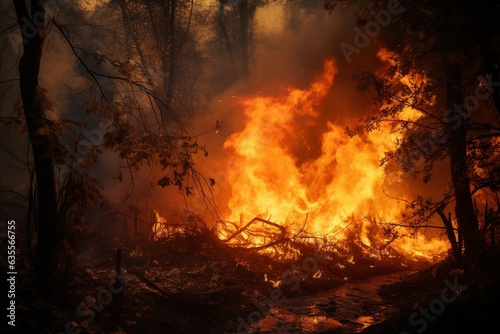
[
  {"x": 268, "y": 180},
  {"x": 160, "y": 227}
]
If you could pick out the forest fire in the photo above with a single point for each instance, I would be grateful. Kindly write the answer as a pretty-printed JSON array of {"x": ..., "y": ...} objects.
[
  {"x": 326, "y": 196},
  {"x": 250, "y": 167}
]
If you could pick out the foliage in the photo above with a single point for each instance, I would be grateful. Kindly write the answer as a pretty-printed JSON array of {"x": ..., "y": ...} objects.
[{"x": 432, "y": 95}]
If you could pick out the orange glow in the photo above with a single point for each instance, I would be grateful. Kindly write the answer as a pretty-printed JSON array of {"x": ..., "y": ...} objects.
[
  {"x": 387, "y": 56},
  {"x": 333, "y": 189},
  {"x": 160, "y": 228},
  {"x": 91, "y": 5}
]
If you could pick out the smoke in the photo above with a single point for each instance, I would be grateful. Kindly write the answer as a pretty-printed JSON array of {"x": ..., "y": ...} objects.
[{"x": 291, "y": 42}]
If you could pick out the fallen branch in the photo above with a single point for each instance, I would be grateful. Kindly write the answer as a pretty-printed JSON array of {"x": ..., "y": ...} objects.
[
  {"x": 415, "y": 226},
  {"x": 158, "y": 288},
  {"x": 281, "y": 239},
  {"x": 235, "y": 234}
]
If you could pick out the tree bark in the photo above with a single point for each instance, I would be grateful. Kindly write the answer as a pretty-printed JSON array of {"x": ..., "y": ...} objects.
[
  {"x": 41, "y": 142},
  {"x": 457, "y": 135}
]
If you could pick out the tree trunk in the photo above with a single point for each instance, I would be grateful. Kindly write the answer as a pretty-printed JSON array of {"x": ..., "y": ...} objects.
[
  {"x": 132, "y": 33},
  {"x": 41, "y": 143},
  {"x": 225, "y": 35},
  {"x": 170, "y": 59},
  {"x": 450, "y": 233},
  {"x": 457, "y": 134},
  {"x": 243, "y": 10}
]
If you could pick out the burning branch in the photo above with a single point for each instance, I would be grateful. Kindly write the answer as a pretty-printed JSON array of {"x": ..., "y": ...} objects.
[
  {"x": 280, "y": 238},
  {"x": 281, "y": 228}
]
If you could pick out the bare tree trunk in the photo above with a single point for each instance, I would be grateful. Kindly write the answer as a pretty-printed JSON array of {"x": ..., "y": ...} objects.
[
  {"x": 32, "y": 97},
  {"x": 457, "y": 135},
  {"x": 450, "y": 233},
  {"x": 225, "y": 35},
  {"x": 172, "y": 51},
  {"x": 243, "y": 10},
  {"x": 130, "y": 33},
  {"x": 170, "y": 58}
]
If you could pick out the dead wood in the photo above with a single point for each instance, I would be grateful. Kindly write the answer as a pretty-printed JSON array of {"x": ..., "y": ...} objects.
[
  {"x": 235, "y": 234},
  {"x": 282, "y": 237}
]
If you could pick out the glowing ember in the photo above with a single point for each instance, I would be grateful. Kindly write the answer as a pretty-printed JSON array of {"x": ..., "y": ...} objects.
[{"x": 346, "y": 179}]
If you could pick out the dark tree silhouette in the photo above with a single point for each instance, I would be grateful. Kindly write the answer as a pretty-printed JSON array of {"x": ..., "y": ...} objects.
[
  {"x": 43, "y": 142},
  {"x": 136, "y": 133}
]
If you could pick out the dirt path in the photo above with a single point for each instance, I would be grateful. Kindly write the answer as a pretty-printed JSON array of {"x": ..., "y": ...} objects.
[{"x": 347, "y": 309}]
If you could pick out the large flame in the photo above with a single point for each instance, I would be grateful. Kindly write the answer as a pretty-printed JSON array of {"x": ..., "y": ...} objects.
[{"x": 268, "y": 180}]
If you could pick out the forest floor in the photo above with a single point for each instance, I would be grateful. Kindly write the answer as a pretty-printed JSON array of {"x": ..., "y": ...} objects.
[
  {"x": 426, "y": 303},
  {"x": 195, "y": 284}
]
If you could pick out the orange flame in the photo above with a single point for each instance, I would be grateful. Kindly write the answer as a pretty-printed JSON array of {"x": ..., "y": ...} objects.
[
  {"x": 346, "y": 179},
  {"x": 160, "y": 228}
]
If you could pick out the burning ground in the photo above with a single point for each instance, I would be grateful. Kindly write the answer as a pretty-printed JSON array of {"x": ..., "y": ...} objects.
[{"x": 188, "y": 281}]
